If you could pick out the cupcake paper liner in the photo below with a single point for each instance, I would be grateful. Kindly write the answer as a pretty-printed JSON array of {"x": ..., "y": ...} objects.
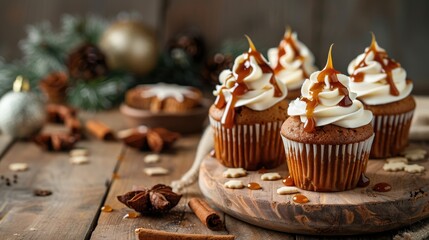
[
  {"x": 249, "y": 146},
  {"x": 327, "y": 168},
  {"x": 391, "y": 134}
]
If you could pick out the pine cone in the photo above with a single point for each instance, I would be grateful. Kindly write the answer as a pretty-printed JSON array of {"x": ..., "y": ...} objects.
[
  {"x": 215, "y": 65},
  {"x": 54, "y": 87},
  {"x": 87, "y": 62},
  {"x": 191, "y": 43}
]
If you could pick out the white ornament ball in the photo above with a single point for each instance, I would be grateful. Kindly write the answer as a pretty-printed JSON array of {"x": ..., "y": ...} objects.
[{"x": 22, "y": 114}]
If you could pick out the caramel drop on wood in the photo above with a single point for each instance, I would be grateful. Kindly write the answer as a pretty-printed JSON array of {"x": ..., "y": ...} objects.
[
  {"x": 106, "y": 208},
  {"x": 262, "y": 170},
  {"x": 382, "y": 187},
  {"x": 132, "y": 215},
  {"x": 288, "y": 181},
  {"x": 299, "y": 198},
  {"x": 254, "y": 186},
  {"x": 364, "y": 181}
]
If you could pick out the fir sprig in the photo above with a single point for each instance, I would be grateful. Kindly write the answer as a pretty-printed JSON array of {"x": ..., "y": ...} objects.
[
  {"x": 101, "y": 93},
  {"x": 76, "y": 30},
  {"x": 43, "y": 50}
]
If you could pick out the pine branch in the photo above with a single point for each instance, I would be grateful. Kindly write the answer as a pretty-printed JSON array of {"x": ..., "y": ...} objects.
[
  {"x": 99, "y": 94},
  {"x": 76, "y": 30},
  {"x": 9, "y": 72},
  {"x": 43, "y": 50}
]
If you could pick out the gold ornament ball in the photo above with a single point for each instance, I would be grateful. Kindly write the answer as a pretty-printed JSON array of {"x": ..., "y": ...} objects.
[{"x": 131, "y": 46}]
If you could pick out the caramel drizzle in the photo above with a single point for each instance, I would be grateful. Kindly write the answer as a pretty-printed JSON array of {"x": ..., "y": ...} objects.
[
  {"x": 287, "y": 39},
  {"x": 379, "y": 56},
  {"x": 243, "y": 70},
  {"x": 334, "y": 83}
]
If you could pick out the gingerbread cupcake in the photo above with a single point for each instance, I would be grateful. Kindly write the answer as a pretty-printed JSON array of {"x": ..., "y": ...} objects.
[
  {"x": 328, "y": 136},
  {"x": 161, "y": 97},
  {"x": 247, "y": 114},
  {"x": 292, "y": 63},
  {"x": 381, "y": 84}
]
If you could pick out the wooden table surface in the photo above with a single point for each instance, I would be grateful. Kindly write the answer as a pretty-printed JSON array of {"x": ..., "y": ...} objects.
[{"x": 79, "y": 191}]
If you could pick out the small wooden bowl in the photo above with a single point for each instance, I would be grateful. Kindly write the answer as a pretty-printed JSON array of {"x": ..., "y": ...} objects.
[{"x": 187, "y": 122}]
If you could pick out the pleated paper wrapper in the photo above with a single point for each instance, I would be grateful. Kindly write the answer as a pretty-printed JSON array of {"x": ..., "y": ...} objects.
[
  {"x": 251, "y": 147},
  {"x": 391, "y": 134},
  {"x": 327, "y": 168}
]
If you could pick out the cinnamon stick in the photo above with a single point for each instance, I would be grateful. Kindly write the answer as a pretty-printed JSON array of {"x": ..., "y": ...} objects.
[
  {"x": 150, "y": 234},
  {"x": 207, "y": 215},
  {"x": 99, "y": 130}
]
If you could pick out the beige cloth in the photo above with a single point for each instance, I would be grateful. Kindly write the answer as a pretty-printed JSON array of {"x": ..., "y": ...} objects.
[{"x": 420, "y": 125}]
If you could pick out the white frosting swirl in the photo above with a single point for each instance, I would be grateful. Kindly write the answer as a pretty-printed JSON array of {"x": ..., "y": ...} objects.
[
  {"x": 293, "y": 66},
  {"x": 261, "y": 92},
  {"x": 328, "y": 111},
  {"x": 163, "y": 91},
  {"x": 374, "y": 89}
]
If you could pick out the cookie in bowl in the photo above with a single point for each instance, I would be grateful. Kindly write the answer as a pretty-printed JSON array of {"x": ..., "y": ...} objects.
[
  {"x": 177, "y": 108},
  {"x": 162, "y": 97}
]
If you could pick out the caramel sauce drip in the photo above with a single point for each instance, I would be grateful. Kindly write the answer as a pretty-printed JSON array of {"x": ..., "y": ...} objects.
[
  {"x": 299, "y": 198},
  {"x": 364, "y": 181},
  {"x": 382, "y": 187},
  {"x": 106, "y": 208},
  {"x": 287, "y": 39},
  {"x": 334, "y": 83},
  {"x": 254, "y": 186},
  {"x": 387, "y": 68},
  {"x": 288, "y": 181},
  {"x": 132, "y": 215},
  {"x": 243, "y": 70}
]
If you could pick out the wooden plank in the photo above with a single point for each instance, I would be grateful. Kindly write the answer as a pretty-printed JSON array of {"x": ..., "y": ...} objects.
[
  {"x": 78, "y": 190},
  {"x": 243, "y": 230},
  {"x": 180, "y": 219}
]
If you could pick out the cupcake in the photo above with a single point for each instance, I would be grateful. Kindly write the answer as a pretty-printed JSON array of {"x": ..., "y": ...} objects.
[
  {"x": 328, "y": 136},
  {"x": 292, "y": 63},
  {"x": 381, "y": 84},
  {"x": 161, "y": 97},
  {"x": 247, "y": 114}
]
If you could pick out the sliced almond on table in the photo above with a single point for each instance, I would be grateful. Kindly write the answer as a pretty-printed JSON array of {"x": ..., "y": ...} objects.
[
  {"x": 155, "y": 171},
  {"x": 79, "y": 160},
  {"x": 18, "y": 167}
]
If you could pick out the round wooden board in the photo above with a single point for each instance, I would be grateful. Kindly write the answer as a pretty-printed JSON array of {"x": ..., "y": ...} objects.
[{"x": 342, "y": 213}]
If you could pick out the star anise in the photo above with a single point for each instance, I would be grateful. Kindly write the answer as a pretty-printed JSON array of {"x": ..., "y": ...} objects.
[
  {"x": 56, "y": 142},
  {"x": 159, "y": 199},
  {"x": 155, "y": 139}
]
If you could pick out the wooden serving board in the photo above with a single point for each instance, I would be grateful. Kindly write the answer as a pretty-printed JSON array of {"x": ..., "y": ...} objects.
[{"x": 357, "y": 211}]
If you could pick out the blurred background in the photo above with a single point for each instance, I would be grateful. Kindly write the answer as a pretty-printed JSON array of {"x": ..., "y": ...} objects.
[{"x": 401, "y": 26}]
